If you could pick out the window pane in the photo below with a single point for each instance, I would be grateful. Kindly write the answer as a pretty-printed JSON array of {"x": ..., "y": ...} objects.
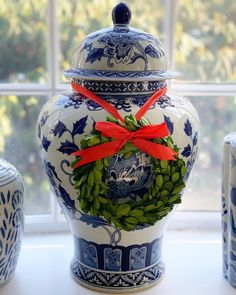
[
  {"x": 79, "y": 18},
  {"x": 23, "y": 41},
  {"x": 205, "y": 40},
  {"x": 217, "y": 117},
  {"x": 18, "y": 146}
]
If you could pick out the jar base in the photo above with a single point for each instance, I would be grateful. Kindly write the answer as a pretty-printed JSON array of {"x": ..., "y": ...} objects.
[{"x": 116, "y": 282}]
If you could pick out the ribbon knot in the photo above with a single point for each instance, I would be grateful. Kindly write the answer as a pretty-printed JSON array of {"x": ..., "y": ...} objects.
[{"x": 120, "y": 136}]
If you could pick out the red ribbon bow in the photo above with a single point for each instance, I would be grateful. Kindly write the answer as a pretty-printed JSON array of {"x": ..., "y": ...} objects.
[{"x": 121, "y": 135}]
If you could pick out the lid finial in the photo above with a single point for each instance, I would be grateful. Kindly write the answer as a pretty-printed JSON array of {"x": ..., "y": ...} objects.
[{"x": 121, "y": 14}]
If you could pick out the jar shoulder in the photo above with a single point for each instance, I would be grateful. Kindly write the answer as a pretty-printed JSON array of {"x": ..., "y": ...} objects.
[{"x": 71, "y": 104}]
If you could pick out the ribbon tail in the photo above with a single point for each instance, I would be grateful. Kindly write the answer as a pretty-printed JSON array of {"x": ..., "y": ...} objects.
[
  {"x": 97, "y": 152},
  {"x": 155, "y": 150},
  {"x": 91, "y": 95},
  {"x": 150, "y": 102}
]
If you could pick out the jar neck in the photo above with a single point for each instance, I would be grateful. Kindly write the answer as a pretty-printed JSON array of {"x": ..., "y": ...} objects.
[{"x": 121, "y": 88}]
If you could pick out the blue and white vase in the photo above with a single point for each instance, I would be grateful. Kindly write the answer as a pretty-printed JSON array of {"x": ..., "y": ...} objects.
[
  {"x": 125, "y": 67},
  {"x": 229, "y": 208},
  {"x": 11, "y": 220}
]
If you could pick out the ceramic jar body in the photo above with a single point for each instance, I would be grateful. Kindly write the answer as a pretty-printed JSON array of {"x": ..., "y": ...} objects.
[
  {"x": 106, "y": 257},
  {"x": 229, "y": 208},
  {"x": 11, "y": 220}
]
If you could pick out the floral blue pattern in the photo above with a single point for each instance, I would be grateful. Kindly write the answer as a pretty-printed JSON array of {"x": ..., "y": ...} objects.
[
  {"x": 163, "y": 102},
  {"x": 120, "y": 104},
  {"x": 122, "y": 46},
  {"x": 132, "y": 179},
  {"x": 11, "y": 230}
]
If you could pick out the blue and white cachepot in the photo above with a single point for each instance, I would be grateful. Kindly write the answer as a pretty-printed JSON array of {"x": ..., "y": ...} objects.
[
  {"x": 125, "y": 67},
  {"x": 11, "y": 220},
  {"x": 229, "y": 208}
]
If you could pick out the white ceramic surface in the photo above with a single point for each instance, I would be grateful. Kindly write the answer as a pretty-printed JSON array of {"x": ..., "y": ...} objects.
[{"x": 11, "y": 220}]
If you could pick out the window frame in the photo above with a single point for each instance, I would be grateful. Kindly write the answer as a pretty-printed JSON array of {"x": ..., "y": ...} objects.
[{"x": 54, "y": 222}]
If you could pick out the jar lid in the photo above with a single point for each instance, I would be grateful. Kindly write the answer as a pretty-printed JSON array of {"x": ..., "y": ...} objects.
[
  {"x": 8, "y": 173},
  {"x": 120, "y": 53}
]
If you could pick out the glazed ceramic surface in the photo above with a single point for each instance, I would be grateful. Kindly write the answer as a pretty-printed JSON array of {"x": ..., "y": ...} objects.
[
  {"x": 125, "y": 67},
  {"x": 229, "y": 208},
  {"x": 11, "y": 220}
]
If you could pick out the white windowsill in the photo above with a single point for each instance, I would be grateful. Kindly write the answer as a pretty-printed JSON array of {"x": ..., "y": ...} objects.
[{"x": 192, "y": 258}]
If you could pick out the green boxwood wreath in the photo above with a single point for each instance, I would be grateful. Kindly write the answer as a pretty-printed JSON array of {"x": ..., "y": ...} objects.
[{"x": 165, "y": 192}]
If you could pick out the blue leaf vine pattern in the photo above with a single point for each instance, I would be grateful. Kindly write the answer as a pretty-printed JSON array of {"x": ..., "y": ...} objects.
[
  {"x": 195, "y": 138},
  {"x": 68, "y": 147},
  {"x": 61, "y": 193},
  {"x": 45, "y": 143},
  {"x": 169, "y": 124},
  {"x": 51, "y": 172},
  {"x": 188, "y": 128},
  {"x": 122, "y": 48},
  {"x": 78, "y": 126},
  {"x": 67, "y": 201},
  {"x": 187, "y": 151},
  {"x": 113, "y": 232},
  {"x": 93, "y": 220},
  {"x": 43, "y": 120},
  {"x": 191, "y": 149},
  {"x": 59, "y": 129}
]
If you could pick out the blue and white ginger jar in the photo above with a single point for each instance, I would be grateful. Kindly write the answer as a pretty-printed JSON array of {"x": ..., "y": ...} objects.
[
  {"x": 125, "y": 67},
  {"x": 11, "y": 220}
]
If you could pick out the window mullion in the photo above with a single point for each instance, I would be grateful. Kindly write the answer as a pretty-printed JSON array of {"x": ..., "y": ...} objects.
[
  {"x": 53, "y": 46},
  {"x": 205, "y": 89},
  {"x": 169, "y": 29},
  {"x": 25, "y": 89},
  {"x": 53, "y": 66}
]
